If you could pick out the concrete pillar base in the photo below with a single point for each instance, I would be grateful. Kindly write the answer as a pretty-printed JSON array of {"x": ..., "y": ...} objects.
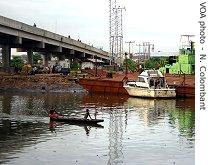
[
  {"x": 6, "y": 55},
  {"x": 47, "y": 58},
  {"x": 62, "y": 57},
  {"x": 30, "y": 57}
]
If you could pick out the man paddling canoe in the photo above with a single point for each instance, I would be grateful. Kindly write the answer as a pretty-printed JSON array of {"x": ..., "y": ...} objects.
[{"x": 53, "y": 114}]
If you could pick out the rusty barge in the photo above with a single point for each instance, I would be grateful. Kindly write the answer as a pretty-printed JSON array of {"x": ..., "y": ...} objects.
[
  {"x": 105, "y": 82},
  {"x": 103, "y": 85},
  {"x": 184, "y": 84}
]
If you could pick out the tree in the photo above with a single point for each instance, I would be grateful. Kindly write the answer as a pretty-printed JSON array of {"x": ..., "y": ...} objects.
[
  {"x": 155, "y": 62},
  {"x": 36, "y": 58},
  {"x": 17, "y": 62},
  {"x": 75, "y": 65},
  {"x": 131, "y": 65}
]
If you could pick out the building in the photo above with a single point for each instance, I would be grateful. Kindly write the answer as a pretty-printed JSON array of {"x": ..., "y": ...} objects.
[{"x": 184, "y": 63}]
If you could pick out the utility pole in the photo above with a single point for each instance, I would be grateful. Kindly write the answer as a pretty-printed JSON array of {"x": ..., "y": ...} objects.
[
  {"x": 112, "y": 49},
  {"x": 129, "y": 46},
  {"x": 126, "y": 65},
  {"x": 139, "y": 45},
  {"x": 147, "y": 47}
]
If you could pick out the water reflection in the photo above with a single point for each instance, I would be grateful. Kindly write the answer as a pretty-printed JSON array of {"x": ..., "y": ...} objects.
[
  {"x": 151, "y": 111},
  {"x": 15, "y": 135},
  {"x": 6, "y": 104},
  {"x": 179, "y": 112},
  {"x": 115, "y": 137},
  {"x": 37, "y": 104},
  {"x": 104, "y": 100},
  {"x": 187, "y": 103},
  {"x": 185, "y": 119},
  {"x": 87, "y": 127},
  {"x": 117, "y": 121},
  {"x": 134, "y": 131},
  {"x": 52, "y": 126}
]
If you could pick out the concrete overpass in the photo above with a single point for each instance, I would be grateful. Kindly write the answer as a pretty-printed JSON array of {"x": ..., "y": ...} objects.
[{"x": 15, "y": 34}]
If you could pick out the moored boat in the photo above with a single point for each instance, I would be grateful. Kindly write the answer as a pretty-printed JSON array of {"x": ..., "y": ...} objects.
[
  {"x": 151, "y": 83},
  {"x": 103, "y": 85},
  {"x": 184, "y": 84},
  {"x": 107, "y": 82}
]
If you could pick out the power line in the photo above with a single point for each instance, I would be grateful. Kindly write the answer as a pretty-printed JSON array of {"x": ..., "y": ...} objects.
[
  {"x": 139, "y": 45},
  {"x": 129, "y": 45}
]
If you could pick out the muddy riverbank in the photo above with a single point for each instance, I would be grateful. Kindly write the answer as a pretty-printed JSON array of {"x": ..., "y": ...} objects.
[{"x": 41, "y": 82}]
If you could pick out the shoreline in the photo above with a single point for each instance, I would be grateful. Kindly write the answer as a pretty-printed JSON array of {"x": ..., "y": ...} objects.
[
  {"x": 185, "y": 85},
  {"x": 39, "y": 83}
]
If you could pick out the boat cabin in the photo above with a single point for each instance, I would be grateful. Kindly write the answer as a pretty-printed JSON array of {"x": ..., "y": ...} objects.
[{"x": 150, "y": 79}]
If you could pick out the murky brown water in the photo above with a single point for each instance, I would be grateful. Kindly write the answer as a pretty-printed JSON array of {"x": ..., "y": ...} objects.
[{"x": 135, "y": 131}]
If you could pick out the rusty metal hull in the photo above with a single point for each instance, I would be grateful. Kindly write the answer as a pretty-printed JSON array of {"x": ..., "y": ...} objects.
[
  {"x": 103, "y": 86},
  {"x": 184, "y": 84},
  {"x": 185, "y": 91}
]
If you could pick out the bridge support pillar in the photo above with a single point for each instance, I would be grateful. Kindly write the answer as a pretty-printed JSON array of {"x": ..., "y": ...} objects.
[
  {"x": 47, "y": 58},
  {"x": 69, "y": 57},
  {"x": 83, "y": 54},
  {"x": 30, "y": 57},
  {"x": 72, "y": 52},
  {"x": 6, "y": 55},
  {"x": 62, "y": 57}
]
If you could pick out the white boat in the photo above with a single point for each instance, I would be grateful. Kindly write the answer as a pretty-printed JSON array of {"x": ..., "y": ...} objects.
[{"x": 151, "y": 83}]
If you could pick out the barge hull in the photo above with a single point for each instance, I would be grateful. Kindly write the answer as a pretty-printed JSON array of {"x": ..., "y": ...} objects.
[
  {"x": 185, "y": 91},
  {"x": 103, "y": 86}
]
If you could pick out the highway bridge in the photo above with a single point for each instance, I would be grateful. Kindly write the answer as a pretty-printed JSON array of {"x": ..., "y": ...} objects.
[{"x": 15, "y": 34}]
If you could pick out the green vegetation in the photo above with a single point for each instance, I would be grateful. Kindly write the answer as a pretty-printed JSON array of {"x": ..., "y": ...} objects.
[
  {"x": 155, "y": 62},
  {"x": 132, "y": 66},
  {"x": 37, "y": 59},
  {"x": 17, "y": 62},
  {"x": 75, "y": 65}
]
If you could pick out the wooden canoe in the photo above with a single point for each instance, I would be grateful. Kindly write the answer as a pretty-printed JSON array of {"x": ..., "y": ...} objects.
[{"x": 76, "y": 120}]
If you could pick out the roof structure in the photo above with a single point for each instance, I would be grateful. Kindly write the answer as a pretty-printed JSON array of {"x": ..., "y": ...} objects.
[{"x": 95, "y": 60}]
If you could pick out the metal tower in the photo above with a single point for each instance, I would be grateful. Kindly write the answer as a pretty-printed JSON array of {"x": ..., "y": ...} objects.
[
  {"x": 147, "y": 48},
  {"x": 185, "y": 41},
  {"x": 115, "y": 31}
]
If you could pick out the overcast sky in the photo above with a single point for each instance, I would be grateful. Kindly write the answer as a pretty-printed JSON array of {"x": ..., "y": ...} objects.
[{"x": 161, "y": 22}]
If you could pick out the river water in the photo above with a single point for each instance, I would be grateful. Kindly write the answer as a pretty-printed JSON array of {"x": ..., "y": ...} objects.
[{"x": 135, "y": 131}]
